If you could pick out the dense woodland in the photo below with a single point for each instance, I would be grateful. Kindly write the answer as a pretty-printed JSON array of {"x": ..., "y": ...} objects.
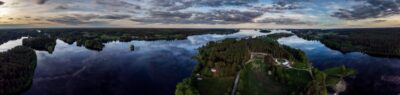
[
  {"x": 13, "y": 34},
  {"x": 265, "y": 31},
  {"x": 231, "y": 56},
  {"x": 40, "y": 43},
  {"x": 17, "y": 67},
  {"x": 377, "y": 42},
  {"x": 276, "y": 36}
]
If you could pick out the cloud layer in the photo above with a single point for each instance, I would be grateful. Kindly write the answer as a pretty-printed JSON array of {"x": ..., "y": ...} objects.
[
  {"x": 213, "y": 17},
  {"x": 369, "y": 9},
  {"x": 313, "y": 13}
]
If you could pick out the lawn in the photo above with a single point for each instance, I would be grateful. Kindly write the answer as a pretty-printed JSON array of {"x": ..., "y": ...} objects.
[
  {"x": 215, "y": 86},
  {"x": 254, "y": 80}
]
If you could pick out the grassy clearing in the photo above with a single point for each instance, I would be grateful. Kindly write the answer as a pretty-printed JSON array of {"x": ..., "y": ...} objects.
[
  {"x": 254, "y": 80},
  {"x": 215, "y": 86}
]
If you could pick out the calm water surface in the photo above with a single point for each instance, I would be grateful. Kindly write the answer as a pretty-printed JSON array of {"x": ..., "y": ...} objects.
[
  {"x": 154, "y": 67},
  {"x": 376, "y": 75}
]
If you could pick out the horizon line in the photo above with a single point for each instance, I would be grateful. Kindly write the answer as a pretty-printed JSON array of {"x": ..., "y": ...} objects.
[{"x": 3, "y": 28}]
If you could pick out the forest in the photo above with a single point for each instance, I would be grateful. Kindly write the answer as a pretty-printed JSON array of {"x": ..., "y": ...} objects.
[
  {"x": 40, "y": 43},
  {"x": 376, "y": 42},
  {"x": 17, "y": 67},
  {"x": 221, "y": 61},
  {"x": 265, "y": 31},
  {"x": 13, "y": 34},
  {"x": 276, "y": 36}
]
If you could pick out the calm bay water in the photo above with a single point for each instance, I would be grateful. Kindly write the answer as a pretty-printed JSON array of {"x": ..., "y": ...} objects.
[
  {"x": 376, "y": 75},
  {"x": 154, "y": 67}
]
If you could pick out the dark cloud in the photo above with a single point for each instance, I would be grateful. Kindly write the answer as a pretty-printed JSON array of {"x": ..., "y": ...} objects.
[
  {"x": 113, "y": 6},
  {"x": 216, "y": 3},
  {"x": 171, "y": 14},
  {"x": 213, "y": 17},
  {"x": 230, "y": 16},
  {"x": 115, "y": 3},
  {"x": 37, "y": 19},
  {"x": 286, "y": 21},
  {"x": 86, "y": 18},
  {"x": 379, "y": 21},
  {"x": 276, "y": 8},
  {"x": 61, "y": 7},
  {"x": 116, "y": 16},
  {"x": 183, "y": 4},
  {"x": 288, "y": 2},
  {"x": 280, "y": 6},
  {"x": 74, "y": 19},
  {"x": 173, "y": 4},
  {"x": 41, "y": 1},
  {"x": 288, "y": 7},
  {"x": 369, "y": 9}
]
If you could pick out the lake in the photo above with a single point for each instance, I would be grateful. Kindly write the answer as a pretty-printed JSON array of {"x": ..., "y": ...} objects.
[
  {"x": 155, "y": 67},
  {"x": 375, "y": 75}
]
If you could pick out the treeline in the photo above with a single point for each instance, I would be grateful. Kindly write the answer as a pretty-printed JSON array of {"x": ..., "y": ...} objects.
[
  {"x": 40, "y": 43},
  {"x": 94, "y": 38},
  {"x": 265, "y": 31},
  {"x": 276, "y": 36},
  {"x": 222, "y": 57},
  {"x": 376, "y": 42},
  {"x": 17, "y": 67},
  {"x": 13, "y": 34}
]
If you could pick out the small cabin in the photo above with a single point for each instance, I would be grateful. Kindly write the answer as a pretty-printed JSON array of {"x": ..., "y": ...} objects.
[{"x": 213, "y": 70}]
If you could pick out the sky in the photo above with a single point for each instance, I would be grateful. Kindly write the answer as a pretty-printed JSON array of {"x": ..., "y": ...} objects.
[{"x": 200, "y": 13}]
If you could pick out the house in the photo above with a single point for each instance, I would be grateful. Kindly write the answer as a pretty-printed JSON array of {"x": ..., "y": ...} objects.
[{"x": 213, "y": 70}]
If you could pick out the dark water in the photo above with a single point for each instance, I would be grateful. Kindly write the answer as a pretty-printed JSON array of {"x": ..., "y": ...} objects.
[
  {"x": 155, "y": 67},
  {"x": 376, "y": 75}
]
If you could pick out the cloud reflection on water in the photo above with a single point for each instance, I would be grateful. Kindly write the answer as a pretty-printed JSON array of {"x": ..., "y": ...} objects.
[
  {"x": 11, "y": 44},
  {"x": 375, "y": 74},
  {"x": 153, "y": 68}
]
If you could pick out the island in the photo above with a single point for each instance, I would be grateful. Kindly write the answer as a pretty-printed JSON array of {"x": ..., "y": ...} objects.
[
  {"x": 40, "y": 43},
  {"x": 381, "y": 42},
  {"x": 259, "y": 66},
  {"x": 265, "y": 31}
]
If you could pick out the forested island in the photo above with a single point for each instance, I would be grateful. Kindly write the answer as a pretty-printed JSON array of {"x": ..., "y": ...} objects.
[
  {"x": 265, "y": 31},
  {"x": 40, "y": 43},
  {"x": 259, "y": 66},
  {"x": 17, "y": 67},
  {"x": 276, "y": 36},
  {"x": 376, "y": 42}
]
